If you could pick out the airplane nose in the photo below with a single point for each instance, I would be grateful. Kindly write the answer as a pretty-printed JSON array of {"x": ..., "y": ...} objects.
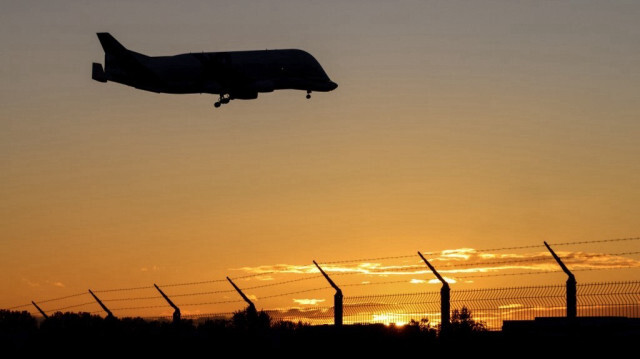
[{"x": 332, "y": 85}]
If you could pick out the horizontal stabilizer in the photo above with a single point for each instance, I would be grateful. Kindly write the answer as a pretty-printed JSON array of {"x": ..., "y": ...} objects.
[
  {"x": 97, "y": 73},
  {"x": 110, "y": 44}
]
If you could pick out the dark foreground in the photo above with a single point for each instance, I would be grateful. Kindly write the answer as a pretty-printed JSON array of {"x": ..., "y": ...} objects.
[{"x": 75, "y": 334}]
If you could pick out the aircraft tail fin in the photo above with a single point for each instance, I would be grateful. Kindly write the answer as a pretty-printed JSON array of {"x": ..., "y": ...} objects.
[{"x": 110, "y": 44}]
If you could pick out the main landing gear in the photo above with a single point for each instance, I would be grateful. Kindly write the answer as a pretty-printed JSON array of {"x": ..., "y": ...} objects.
[
  {"x": 308, "y": 94},
  {"x": 224, "y": 99}
]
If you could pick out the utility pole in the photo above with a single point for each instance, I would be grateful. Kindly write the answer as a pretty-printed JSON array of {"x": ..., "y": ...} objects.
[
  {"x": 572, "y": 298},
  {"x": 337, "y": 299},
  {"x": 104, "y": 307},
  {"x": 40, "y": 310},
  {"x": 176, "y": 310},
  {"x": 251, "y": 310},
  {"x": 445, "y": 296}
]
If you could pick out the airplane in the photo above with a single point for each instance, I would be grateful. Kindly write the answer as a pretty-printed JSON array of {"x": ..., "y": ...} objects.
[{"x": 233, "y": 75}]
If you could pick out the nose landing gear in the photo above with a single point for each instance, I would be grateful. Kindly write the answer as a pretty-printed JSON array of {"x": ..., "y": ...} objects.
[
  {"x": 308, "y": 94},
  {"x": 224, "y": 99}
]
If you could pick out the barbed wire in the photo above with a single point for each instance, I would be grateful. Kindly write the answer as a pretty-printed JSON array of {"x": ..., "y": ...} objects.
[
  {"x": 213, "y": 292},
  {"x": 122, "y": 289},
  {"x": 491, "y": 263},
  {"x": 61, "y": 298},
  {"x": 558, "y": 244},
  {"x": 206, "y": 315},
  {"x": 142, "y": 307},
  {"x": 485, "y": 250},
  {"x": 372, "y": 259},
  {"x": 254, "y": 275},
  {"x": 592, "y": 269},
  {"x": 213, "y": 280},
  {"x": 191, "y": 283},
  {"x": 284, "y": 282},
  {"x": 621, "y": 253},
  {"x": 506, "y": 274},
  {"x": 375, "y": 283},
  {"x": 203, "y": 293},
  {"x": 597, "y": 241},
  {"x": 20, "y": 306},
  {"x": 469, "y": 294},
  {"x": 132, "y": 298},
  {"x": 71, "y": 306},
  {"x": 364, "y": 271},
  {"x": 349, "y": 285},
  {"x": 179, "y": 284},
  {"x": 509, "y": 248},
  {"x": 540, "y": 272},
  {"x": 421, "y": 269},
  {"x": 360, "y": 271},
  {"x": 208, "y": 303},
  {"x": 158, "y": 317},
  {"x": 525, "y": 260},
  {"x": 292, "y": 293}
]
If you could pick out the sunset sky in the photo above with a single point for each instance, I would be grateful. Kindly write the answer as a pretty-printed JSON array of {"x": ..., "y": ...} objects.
[{"x": 456, "y": 124}]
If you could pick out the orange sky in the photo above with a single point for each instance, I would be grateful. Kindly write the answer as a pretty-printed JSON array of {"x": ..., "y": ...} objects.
[{"x": 455, "y": 125}]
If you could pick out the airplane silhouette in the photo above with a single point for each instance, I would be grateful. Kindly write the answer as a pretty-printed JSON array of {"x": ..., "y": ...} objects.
[{"x": 231, "y": 75}]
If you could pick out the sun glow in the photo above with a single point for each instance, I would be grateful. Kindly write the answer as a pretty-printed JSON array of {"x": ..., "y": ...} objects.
[{"x": 388, "y": 319}]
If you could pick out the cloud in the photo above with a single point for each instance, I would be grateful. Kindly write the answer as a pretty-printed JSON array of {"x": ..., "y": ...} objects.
[
  {"x": 308, "y": 301},
  {"x": 30, "y": 283},
  {"x": 447, "y": 279},
  {"x": 280, "y": 268},
  {"x": 312, "y": 314},
  {"x": 47, "y": 282},
  {"x": 150, "y": 269},
  {"x": 462, "y": 261},
  {"x": 263, "y": 278}
]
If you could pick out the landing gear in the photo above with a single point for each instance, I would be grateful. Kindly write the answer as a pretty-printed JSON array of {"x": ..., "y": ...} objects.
[
  {"x": 224, "y": 99},
  {"x": 308, "y": 94}
]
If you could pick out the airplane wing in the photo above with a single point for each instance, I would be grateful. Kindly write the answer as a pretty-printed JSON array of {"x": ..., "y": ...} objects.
[{"x": 218, "y": 67}]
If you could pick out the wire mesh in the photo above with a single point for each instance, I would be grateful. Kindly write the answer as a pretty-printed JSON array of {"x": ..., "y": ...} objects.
[
  {"x": 392, "y": 308},
  {"x": 609, "y": 299},
  {"x": 490, "y": 306},
  {"x": 495, "y": 305}
]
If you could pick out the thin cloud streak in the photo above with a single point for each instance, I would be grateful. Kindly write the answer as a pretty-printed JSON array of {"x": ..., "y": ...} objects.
[
  {"x": 463, "y": 261},
  {"x": 308, "y": 301}
]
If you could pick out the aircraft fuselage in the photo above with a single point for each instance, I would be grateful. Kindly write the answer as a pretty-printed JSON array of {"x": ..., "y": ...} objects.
[{"x": 236, "y": 75}]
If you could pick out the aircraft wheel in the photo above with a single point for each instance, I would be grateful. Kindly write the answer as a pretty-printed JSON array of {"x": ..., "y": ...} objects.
[
  {"x": 217, "y": 104},
  {"x": 308, "y": 96}
]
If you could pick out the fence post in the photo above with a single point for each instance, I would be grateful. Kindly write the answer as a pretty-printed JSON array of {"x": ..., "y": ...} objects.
[
  {"x": 337, "y": 299},
  {"x": 445, "y": 296},
  {"x": 572, "y": 299},
  {"x": 40, "y": 310},
  {"x": 252, "y": 308},
  {"x": 176, "y": 310},
  {"x": 104, "y": 307}
]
